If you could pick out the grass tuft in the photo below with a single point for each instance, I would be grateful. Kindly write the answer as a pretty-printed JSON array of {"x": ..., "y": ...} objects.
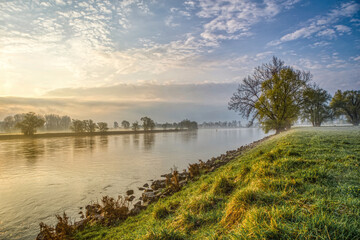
[
  {"x": 223, "y": 185},
  {"x": 164, "y": 234}
]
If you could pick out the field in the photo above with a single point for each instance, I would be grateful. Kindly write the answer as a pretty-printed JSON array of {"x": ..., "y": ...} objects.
[{"x": 300, "y": 184}]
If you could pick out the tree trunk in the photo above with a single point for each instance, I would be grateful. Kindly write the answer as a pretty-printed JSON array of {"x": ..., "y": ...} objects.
[
  {"x": 317, "y": 124},
  {"x": 279, "y": 130}
]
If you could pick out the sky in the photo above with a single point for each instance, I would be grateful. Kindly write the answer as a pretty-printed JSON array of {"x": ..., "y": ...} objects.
[{"x": 167, "y": 59}]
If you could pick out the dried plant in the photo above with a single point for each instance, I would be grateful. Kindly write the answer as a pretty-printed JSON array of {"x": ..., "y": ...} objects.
[
  {"x": 173, "y": 182},
  {"x": 63, "y": 229}
]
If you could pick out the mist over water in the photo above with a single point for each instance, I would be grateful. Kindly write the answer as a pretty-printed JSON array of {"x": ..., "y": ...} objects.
[{"x": 46, "y": 176}]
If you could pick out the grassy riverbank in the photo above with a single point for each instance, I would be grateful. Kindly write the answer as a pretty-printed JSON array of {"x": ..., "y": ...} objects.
[{"x": 302, "y": 184}]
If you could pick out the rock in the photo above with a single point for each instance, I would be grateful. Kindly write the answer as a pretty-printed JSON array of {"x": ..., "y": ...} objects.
[
  {"x": 135, "y": 211},
  {"x": 148, "y": 196},
  {"x": 148, "y": 190},
  {"x": 166, "y": 175},
  {"x": 158, "y": 184},
  {"x": 139, "y": 205},
  {"x": 130, "y": 198},
  {"x": 146, "y": 185},
  {"x": 141, "y": 188},
  {"x": 40, "y": 236},
  {"x": 129, "y": 192}
]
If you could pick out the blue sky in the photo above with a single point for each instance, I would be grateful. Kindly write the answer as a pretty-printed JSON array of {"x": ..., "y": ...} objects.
[{"x": 64, "y": 55}]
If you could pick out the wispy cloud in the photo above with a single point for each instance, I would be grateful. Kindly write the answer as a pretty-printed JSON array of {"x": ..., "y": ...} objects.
[
  {"x": 342, "y": 29},
  {"x": 169, "y": 21},
  {"x": 66, "y": 41},
  {"x": 54, "y": 44},
  {"x": 322, "y": 26},
  {"x": 234, "y": 19},
  {"x": 331, "y": 72}
]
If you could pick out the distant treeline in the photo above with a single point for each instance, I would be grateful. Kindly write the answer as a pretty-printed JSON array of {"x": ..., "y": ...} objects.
[
  {"x": 148, "y": 123},
  {"x": 219, "y": 124},
  {"x": 52, "y": 122},
  {"x": 29, "y": 123}
]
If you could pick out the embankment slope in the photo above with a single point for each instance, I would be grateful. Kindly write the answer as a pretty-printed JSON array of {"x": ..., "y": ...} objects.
[{"x": 301, "y": 184}]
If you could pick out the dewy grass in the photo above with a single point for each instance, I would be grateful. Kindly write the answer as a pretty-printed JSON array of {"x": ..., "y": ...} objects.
[{"x": 301, "y": 184}]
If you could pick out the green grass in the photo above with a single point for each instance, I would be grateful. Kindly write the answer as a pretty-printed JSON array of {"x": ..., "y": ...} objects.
[{"x": 302, "y": 184}]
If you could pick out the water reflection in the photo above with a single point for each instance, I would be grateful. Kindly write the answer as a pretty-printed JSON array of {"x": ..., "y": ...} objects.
[
  {"x": 32, "y": 149},
  {"x": 104, "y": 141},
  {"x": 189, "y": 135},
  {"x": 136, "y": 141},
  {"x": 149, "y": 140},
  {"x": 84, "y": 142},
  {"x": 52, "y": 147},
  {"x": 126, "y": 139}
]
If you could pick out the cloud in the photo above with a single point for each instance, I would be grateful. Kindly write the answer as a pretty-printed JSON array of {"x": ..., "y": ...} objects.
[
  {"x": 153, "y": 92},
  {"x": 320, "y": 25},
  {"x": 47, "y": 46},
  {"x": 320, "y": 44},
  {"x": 190, "y": 5},
  {"x": 331, "y": 72},
  {"x": 357, "y": 58},
  {"x": 169, "y": 22},
  {"x": 127, "y": 101},
  {"x": 355, "y": 22},
  {"x": 60, "y": 2},
  {"x": 330, "y": 33},
  {"x": 234, "y": 19},
  {"x": 61, "y": 42},
  {"x": 342, "y": 29}
]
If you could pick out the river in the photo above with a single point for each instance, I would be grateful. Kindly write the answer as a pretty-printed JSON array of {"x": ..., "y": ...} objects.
[{"x": 42, "y": 177}]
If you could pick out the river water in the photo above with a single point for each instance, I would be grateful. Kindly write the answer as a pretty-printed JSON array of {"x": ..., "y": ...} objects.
[{"x": 46, "y": 176}]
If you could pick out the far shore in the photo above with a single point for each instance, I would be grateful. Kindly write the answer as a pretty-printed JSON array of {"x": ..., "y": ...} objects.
[{"x": 73, "y": 134}]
